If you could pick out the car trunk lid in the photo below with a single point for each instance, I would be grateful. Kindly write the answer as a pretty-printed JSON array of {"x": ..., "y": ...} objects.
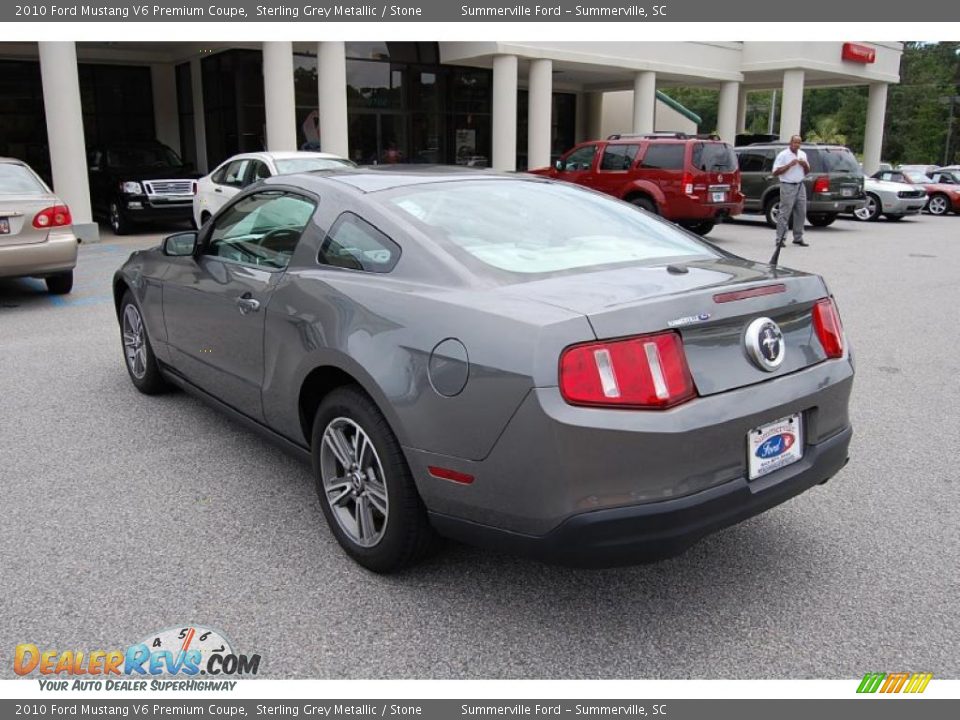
[
  {"x": 16, "y": 215},
  {"x": 694, "y": 299}
]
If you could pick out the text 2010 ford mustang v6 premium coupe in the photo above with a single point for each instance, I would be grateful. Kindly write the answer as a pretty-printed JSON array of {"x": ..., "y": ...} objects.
[{"x": 506, "y": 360}]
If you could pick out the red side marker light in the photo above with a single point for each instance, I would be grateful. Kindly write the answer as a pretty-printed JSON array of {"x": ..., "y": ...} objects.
[{"x": 448, "y": 474}]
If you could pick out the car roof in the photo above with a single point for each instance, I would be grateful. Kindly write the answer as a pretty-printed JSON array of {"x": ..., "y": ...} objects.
[
  {"x": 286, "y": 155},
  {"x": 387, "y": 177}
]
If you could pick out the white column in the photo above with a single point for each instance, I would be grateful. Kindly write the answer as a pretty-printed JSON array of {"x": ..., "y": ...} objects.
[
  {"x": 504, "y": 119},
  {"x": 727, "y": 111},
  {"x": 166, "y": 118},
  {"x": 278, "y": 96},
  {"x": 68, "y": 156},
  {"x": 742, "y": 109},
  {"x": 873, "y": 135},
  {"x": 791, "y": 104},
  {"x": 644, "y": 101},
  {"x": 199, "y": 119},
  {"x": 594, "y": 116},
  {"x": 332, "y": 91},
  {"x": 540, "y": 113}
]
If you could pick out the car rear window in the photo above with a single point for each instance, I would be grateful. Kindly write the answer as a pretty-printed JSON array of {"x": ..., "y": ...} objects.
[
  {"x": 530, "y": 227},
  {"x": 15, "y": 179},
  {"x": 713, "y": 157},
  {"x": 837, "y": 160}
]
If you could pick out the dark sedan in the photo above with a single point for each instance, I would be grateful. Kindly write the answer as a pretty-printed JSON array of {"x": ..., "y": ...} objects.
[{"x": 506, "y": 360}]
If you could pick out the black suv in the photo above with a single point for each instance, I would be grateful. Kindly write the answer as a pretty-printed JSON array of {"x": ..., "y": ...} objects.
[
  {"x": 834, "y": 184},
  {"x": 135, "y": 182}
]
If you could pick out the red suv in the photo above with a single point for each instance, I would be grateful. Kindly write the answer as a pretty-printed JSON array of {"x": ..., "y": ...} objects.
[{"x": 692, "y": 180}]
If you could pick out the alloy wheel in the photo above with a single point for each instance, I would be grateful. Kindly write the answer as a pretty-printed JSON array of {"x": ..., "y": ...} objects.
[
  {"x": 868, "y": 211},
  {"x": 937, "y": 205},
  {"x": 134, "y": 342},
  {"x": 353, "y": 481}
]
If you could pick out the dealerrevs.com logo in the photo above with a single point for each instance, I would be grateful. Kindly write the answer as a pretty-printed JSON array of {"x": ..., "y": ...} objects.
[{"x": 182, "y": 658}]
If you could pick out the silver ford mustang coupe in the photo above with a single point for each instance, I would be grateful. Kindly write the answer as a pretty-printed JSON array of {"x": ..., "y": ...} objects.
[{"x": 505, "y": 360}]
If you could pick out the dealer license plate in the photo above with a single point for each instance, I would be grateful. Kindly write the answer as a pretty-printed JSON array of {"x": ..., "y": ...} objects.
[
  {"x": 775, "y": 445},
  {"x": 719, "y": 197},
  {"x": 846, "y": 192},
  {"x": 4, "y": 226}
]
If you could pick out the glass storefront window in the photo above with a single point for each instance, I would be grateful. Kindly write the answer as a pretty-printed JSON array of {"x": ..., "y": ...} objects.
[{"x": 374, "y": 85}]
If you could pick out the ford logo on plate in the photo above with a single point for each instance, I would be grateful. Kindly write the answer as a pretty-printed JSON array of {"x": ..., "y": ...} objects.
[{"x": 776, "y": 445}]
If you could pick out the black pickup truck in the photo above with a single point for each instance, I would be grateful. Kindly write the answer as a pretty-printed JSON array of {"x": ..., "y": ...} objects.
[{"x": 135, "y": 182}]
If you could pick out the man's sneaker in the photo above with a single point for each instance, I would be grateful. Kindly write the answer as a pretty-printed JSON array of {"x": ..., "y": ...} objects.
[{"x": 803, "y": 243}]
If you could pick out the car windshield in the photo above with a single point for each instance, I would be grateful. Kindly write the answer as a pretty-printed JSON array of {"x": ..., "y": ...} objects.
[
  {"x": 714, "y": 157},
  {"x": 138, "y": 156},
  {"x": 295, "y": 165},
  {"x": 15, "y": 179},
  {"x": 532, "y": 227},
  {"x": 917, "y": 178},
  {"x": 839, "y": 160}
]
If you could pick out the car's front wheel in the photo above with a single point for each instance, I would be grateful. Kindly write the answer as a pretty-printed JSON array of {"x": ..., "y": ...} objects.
[
  {"x": 771, "y": 211},
  {"x": 60, "y": 284},
  {"x": 137, "y": 352},
  {"x": 642, "y": 201},
  {"x": 118, "y": 221},
  {"x": 366, "y": 490},
  {"x": 938, "y": 205},
  {"x": 871, "y": 211}
]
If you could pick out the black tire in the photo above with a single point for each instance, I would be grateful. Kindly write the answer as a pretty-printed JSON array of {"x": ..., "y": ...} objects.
[
  {"x": 405, "y": 535},
  {"x": 701, "y": 228},
  {"x": 871, "y": 211},
  {"x": 143, "y": 372},
  {"x": 118, "y": 221},
  {"x": 822, "y": 219},
  {"x": 60, "y": 284},
  {"x": 938, "y": 204},
  {"x": 770, "y": 210},
  {"x": 894, "y": 218},
  {"x": 645, "y": 203}
]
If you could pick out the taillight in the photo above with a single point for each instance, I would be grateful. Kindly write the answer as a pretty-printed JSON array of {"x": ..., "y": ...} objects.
[
  {"x": 821, "y": 184},
  {"x": 687, "y": 183},
  {"x": 826, "y": 322},
  {"x": 56, "y": 216},
  {"x": 649, "y": 371}
]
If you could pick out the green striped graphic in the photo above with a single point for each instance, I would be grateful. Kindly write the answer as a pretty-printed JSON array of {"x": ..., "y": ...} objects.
[{"x": 871, "y": 682}]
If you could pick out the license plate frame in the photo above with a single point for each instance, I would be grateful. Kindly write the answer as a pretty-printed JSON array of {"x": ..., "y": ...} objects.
[
  {"x": 718, "y": 197},
  {"x": 4, "y": 226},
  {"x": 781, "y": 442},
  {"x": 846, "y": 192}
]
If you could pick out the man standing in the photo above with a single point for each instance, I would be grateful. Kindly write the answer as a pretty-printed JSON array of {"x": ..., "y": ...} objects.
[{"x": 791, "y": 167}]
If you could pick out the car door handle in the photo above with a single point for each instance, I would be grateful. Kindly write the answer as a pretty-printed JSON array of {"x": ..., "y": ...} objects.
[
  {"x": 217, "y": 190},
  {"x": 247, "y": 304}
]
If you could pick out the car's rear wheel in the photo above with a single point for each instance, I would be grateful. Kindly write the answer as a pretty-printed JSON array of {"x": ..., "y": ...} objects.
[
  {"x": 701, "y": 228},
  {"x": 938, "y": 205},
  {"x": 822, "y": 219},
  {"x": 645, "y": 203},
  {"x": 137, "y": 352},
  {"x": 118, "y": 222},
  {"x": 60, "y": 284},
  {"x": 772, "y": 210},
  {"x": 366, "y": 490},
  {"x": 870, "y": 211}
]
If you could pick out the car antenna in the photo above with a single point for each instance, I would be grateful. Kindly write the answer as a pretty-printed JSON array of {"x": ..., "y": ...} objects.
[{"x": 776, "y": 254}]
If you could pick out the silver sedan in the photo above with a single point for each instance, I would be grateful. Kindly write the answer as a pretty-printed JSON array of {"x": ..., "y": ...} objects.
[{"x": 893, "y": 200}]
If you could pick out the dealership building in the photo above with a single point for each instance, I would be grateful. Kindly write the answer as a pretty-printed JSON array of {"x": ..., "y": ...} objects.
[{"x": 509, "y": 105}]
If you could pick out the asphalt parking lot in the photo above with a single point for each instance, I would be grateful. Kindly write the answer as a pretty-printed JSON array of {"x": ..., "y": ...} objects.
[{"x": 124, "y": 514}]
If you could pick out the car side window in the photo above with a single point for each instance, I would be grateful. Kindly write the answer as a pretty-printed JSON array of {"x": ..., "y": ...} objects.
[
  {"x": 664, "y": 156},
  {"x": 236, "y": 172},
  {"x": 260, "y": 229},
  {"x": 618, "y": 157},
  {"x": 751, "y": 160},
  {"x": 219, "y": 174},
  {"x": 580, "y": 159},
  {"x": 355, "y": 244},
  {"x": 258, "y": 171}
]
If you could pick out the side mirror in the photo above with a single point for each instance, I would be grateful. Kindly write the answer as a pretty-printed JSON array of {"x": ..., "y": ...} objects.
[
  {"x": 180, "y": 245},
  {"x": 558, "y": 165}
]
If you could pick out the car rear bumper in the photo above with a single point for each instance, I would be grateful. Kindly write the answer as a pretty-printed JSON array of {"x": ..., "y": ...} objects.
[
  {"x": 57, "y": 254},
  {"x": 658, "y": 530},
  {"x": 689, "y": 209}
]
